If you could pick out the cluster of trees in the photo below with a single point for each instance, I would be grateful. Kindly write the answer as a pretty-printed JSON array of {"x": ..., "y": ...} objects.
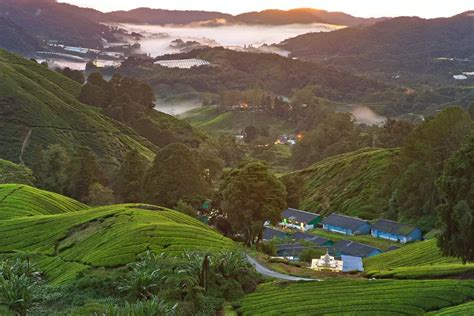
[
  {"x": 75, "y": 75},
  {"x": 179, "y": 175},
  {"x": 186, "y": 284},
  {"x": 124, "y": 99},
  {"x": 422, "y": 160}
]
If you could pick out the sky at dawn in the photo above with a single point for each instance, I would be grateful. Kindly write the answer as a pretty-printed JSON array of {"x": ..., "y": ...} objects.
[{"x": 363, "y": 8}]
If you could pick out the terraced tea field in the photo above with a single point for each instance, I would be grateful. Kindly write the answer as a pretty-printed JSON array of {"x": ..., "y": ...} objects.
[
  {"x": 460, "y": 310},
  {"x": 21, "y": 200},
  {"x": 418, "y": 260},
  {"x": 368, "y": 297},
  {"x": 65, "y": 238}
]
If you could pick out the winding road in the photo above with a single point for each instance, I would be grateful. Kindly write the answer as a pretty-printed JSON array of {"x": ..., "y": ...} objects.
[{"x": 272, "y": 274}]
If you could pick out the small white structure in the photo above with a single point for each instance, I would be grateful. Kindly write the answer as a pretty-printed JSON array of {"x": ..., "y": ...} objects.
[
  {"x": 460, "y": 77},
  {"x": 327, "y": 263},
  {"x": 182, "y": 63}
]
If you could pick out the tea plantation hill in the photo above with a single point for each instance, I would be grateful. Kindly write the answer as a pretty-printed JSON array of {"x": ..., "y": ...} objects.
[
  {"x": 15, "y": 173},
  {"x": 358, "y": 297},
  {"x": 419, "y": 260},
  {"x": 22, "y": 200},
  {"x": 350, "y": 184},
  {"x": 65, "y": 237},
  {"x": 39, "y": 107}
]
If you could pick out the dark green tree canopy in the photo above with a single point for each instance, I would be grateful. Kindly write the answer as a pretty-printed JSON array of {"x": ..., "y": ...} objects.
[
  {"x": 175, "y": 175},
  {"x": 456, "y": 186},
  {"x": 250, "y": 196}
]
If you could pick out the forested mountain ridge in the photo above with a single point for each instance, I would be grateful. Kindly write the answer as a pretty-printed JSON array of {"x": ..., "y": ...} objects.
[
  {"x": 49, "y": 20},
  {"x": 395, "y": 46},
  {"x": 241, "y": 70},
  {"x": 303, "y": 16},
  {"x": 16, "y": 39}
]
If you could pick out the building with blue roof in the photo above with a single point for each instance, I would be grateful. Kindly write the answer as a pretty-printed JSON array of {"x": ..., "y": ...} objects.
[
  {"x": 394, "y": 231},
  {"x": 346, "y": 225}
]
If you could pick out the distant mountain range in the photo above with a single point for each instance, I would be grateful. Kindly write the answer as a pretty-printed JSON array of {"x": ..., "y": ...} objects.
[
  {"x": 268, "y": 17},
  {"x": 303, "y": 16},
  {"x": 404, "y": 44}
]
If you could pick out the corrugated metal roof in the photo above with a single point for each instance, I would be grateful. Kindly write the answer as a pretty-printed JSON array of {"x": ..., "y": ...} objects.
[
  {"x": 299, "y": 215},
  {"x": 344, "y": 221},
  {"x": 352, "y": 248},
  {"x": 318, "y": 240},
  {"x": 270, "y": 233}
]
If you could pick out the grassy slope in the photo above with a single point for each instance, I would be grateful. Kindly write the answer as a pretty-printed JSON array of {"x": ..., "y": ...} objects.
[
  {"x": 232, "y": 121},
  {"x": 66, "y": 238},
  {"x": 14, "y": 173},
  {"x": 21, "y": 200},
  {"x": 36, "y": 99},
  {"x": 349, "y": 184},
  {"x": 418, "y": 260},
  {"x": 355, "y": 297},
  {"x": 460, "y": 310}
]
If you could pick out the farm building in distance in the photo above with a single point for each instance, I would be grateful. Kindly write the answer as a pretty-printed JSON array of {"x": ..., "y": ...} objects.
[
  {"x": 395, "y": 231},
  {"x": 317, "y": 240},
  {"x": 182, "y": 63},
  {"x": 355, "y": 249},
  {"x": 346, "y": 225},
  {"x": 271, "y": 233},
  {"x": 297, "y": 219}
]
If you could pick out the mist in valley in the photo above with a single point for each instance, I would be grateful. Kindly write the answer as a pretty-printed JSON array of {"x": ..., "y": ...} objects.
[
  {"x": 158, "y": 38},
  {"x": 177, "y": 108}
]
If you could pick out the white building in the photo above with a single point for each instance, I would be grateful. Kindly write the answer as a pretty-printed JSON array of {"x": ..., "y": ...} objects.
[{"x": 327, "y": 263}]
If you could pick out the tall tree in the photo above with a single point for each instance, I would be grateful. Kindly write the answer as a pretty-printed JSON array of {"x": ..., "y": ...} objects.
[
  {"x": 174, "y": 175},
  {"x": 51, "y": 169},
  {"x": 250, "y": 196},
  {"x": 457, "y": 211},
  {"x": 127, "y": 185},
  {"x": 83, "y": 172}
]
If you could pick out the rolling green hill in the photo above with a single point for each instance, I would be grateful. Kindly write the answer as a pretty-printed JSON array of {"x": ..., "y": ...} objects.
[
  {"x": 38, "y": 107},
  {"x": 65, "y": 238},
  {"x": 349, "y": 184},
  {"x": 210, "y": 118},
  {"x": 14, "y": 173},
  {"x": 418, "y": 260},
  {"x": 22, "y": 200},
  {"x": 355, "y": 297}
]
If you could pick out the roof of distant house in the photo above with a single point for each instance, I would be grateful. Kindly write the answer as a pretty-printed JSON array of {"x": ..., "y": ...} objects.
[
  {"x": 348, "y": 222},
  {"x": 393, "y": 227},
  {"x": 352, "y": 248},
  {"x": 351, "y": 263},
  {"x": 299, "y": 215},
  {"x": 270, "y": 233},
  {"x": 318, "y": 240}
]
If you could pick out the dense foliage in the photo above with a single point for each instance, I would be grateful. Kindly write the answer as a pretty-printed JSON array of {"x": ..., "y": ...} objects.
[
  {"x": 174, "y": 175},
  {"x": 421, "y": 162},
  {"x": 456, "y": 186},
  {"x": 250, "y": 196}
]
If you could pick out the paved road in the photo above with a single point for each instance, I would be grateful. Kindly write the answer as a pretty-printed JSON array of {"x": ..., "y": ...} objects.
[{"x": 269, "y": 273}]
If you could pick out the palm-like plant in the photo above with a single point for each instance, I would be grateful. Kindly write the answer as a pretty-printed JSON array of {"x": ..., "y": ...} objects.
[
  {"x": 140, "y": 283},
  {"x": 17, "y": 284}
]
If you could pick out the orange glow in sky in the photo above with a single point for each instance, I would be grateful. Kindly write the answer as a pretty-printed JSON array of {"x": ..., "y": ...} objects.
[{"x": 363, "y": 8}]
